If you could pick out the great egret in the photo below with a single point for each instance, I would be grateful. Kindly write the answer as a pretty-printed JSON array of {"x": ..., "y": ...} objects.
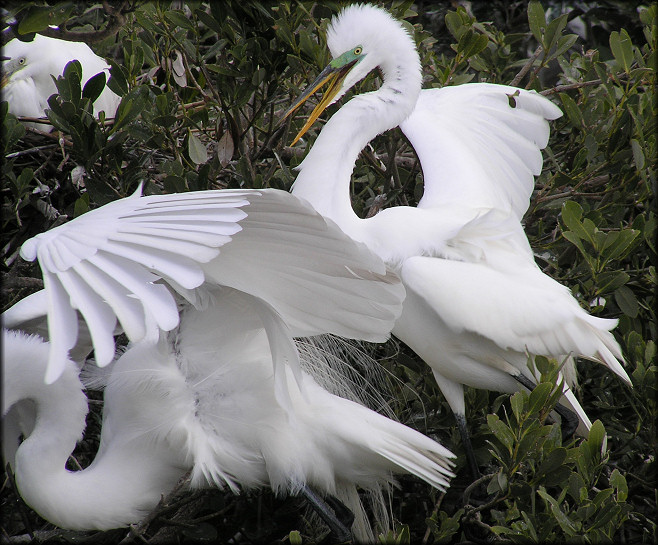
[
  {"x": 27, "y": 77},
  {"x": 476, "y": 302},
  {"x": 202, "y": 397},
  {"x": 210, "y": 287}
]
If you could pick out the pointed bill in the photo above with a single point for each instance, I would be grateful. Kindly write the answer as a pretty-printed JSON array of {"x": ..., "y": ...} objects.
[{"x": 334, "y": 74}]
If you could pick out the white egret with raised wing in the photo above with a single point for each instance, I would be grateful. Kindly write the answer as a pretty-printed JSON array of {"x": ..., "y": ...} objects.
[
  {"x": 210, "y": 287},
  {"x": 476, "y": 301}
]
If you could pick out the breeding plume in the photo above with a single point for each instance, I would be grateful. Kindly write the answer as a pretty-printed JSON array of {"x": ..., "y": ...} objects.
[
  {"x": 27, "y": 77},
  {"x": 202, "y": 397},
  {"x": 210, "y": 287},
  {"x": 476, "y": 302}
]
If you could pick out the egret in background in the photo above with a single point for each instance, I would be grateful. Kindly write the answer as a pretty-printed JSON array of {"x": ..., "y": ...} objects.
[
  {"x": 476, "y": 302},
  {"x": 27, "y": 77},
  {"x": 221, "y": 391}
]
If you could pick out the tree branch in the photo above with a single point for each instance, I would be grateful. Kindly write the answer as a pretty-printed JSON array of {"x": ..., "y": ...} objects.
[{"x": 116, "y": 19}]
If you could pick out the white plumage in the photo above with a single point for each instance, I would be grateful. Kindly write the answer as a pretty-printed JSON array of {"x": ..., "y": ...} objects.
[
  {"x": 202, "y": 397},
  {"x": 116, "y": 261},
  {"x": 210, "y": 287},
  {"x": 476, "y": 301},
  {"x": 27, "y": 76}
]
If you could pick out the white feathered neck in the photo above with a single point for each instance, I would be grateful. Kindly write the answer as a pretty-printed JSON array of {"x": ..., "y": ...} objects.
[{"x": 326, "y": 171}]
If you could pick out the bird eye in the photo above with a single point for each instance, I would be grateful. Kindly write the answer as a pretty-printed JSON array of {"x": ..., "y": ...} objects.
[
  {"x": 21, "y": 60},
  {"x": 358, "y": 50}
]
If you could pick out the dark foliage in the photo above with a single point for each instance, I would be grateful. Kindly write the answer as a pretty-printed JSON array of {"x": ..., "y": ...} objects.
[{"x": 204, "y": 88}]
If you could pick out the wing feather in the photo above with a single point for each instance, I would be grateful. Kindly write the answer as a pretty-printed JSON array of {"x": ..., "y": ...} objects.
[
  {"x": 62, "y": 325},
  {"x": 106, "y": 262},
  {"x": 126, "y": 260},
  {"x": 523, "y": 310},
  {"x": 97, "y": 314},
  {"x": 480, "y": 144}
]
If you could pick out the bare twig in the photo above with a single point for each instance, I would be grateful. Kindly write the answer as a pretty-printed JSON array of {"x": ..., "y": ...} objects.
[
  {"x": 434, "y": 512},
  {"x": 377, "y": 204},
  {"x": 526, "y": 67},
  {"x": 165, "y": 505},
  {"x": 29, "y": 151},
  {"x": 570, "y": 87}
]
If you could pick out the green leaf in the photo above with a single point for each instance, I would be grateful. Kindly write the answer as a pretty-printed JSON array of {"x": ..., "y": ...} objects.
[
  {"x": 178, "y": 18},
  {"x": 295, "y": 538},
  {"x": 73, "y": 70},
  {"x": 565, "y": 42},
  {"x": 174, "y": 184},
  {"x": 501, "y": 431},
  {"x": 618, "y": 244},
  {"x": 38, "y": 18},
  {"x": 539, "y": 396},
  {"x": 618, "y": 482},
  {"x": 558, "y": 477},
  {"x": 404, "y": 537},
  {"x": 130, "y": 108},
  {"x": 577, "y": 488},
  {"x": 576, "y": 241},
  {"x": 585, "y": 230},
  {"x": 196, "y": 149},
  {"x": 208, "y": 20},
  {"x": 118, "y": 81},
  {"x": 562, "y": 519},
  {"x": 537, "y": 20},
  {"x": 94, "y": 87},
  {"x": 530, "y": 527},
  {"x": 610, "y": 281},
  {"x": 23, "y": 179},
  {"x": 622, "y": 48},
  {"x": 572, "y": 213},
  {"x": 573, "y": 112},
  {"x": 81, "y": 205},
  {"x": 517, "y": 401},
  {"x": 554, "y": 460},
  {"x": 627, "y": 301},
  {"x": 472, "y": 43},
  {"x": 596, "y": 438},
  {"x": 225, "y": 149},
  {"x": 554, "y": 30},
  {"x": 455, "y": 24},
  {"x": 638, "y": 154}
]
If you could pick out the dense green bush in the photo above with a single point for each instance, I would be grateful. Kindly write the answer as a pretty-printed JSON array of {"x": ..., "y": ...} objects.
[{"x": 204, "y": 89}]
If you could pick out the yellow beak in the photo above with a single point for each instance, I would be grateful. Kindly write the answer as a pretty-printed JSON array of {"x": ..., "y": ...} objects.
[{"x": 332, "y": 75}]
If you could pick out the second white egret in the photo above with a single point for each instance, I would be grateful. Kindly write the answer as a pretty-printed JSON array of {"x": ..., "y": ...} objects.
[{"x": 476, "y": 301}]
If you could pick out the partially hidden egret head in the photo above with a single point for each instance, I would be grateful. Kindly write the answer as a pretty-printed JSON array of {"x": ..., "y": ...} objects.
[{"x": 27, "y": 75}]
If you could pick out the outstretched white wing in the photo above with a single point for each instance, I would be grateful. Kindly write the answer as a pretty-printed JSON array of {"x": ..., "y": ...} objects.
[
  {"x": 106, "y": 264},
  {"x": 480, "y": 144},
  {"x": 113, "y": 263},
  {"x": 520, "y": 309}
]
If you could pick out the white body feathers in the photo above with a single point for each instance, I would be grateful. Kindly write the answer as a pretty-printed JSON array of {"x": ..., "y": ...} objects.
[{"x": 476, "y": 301}]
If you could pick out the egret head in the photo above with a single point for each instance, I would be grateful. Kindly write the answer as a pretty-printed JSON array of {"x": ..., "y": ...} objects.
[
  {"x": 11, "y": 66},
  {"x": 42, "y": 59},
  {"x": 360, "y": 38},
  {"x": 33, "y": 61}
]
